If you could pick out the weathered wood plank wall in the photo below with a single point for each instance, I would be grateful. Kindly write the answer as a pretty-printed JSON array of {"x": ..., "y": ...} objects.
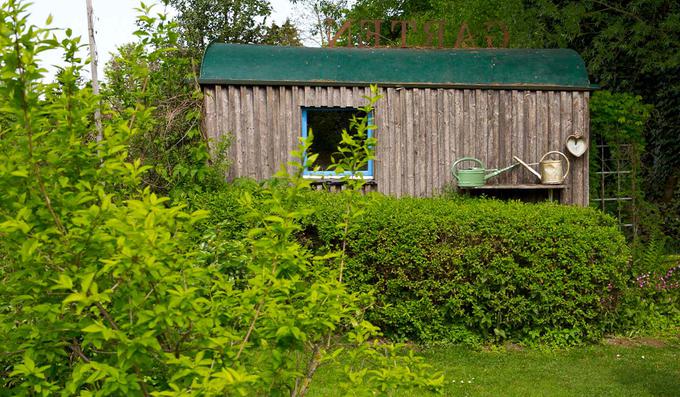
[{"x": 421, "y": 132}]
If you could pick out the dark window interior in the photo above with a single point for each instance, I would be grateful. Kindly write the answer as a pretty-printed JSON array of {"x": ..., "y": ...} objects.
[{"x": 327, "y": 125}]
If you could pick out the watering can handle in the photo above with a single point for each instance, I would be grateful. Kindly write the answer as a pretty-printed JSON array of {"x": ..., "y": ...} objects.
[
  {"x": 561, "y": 154},
  {"x": 454, "y": 171}
]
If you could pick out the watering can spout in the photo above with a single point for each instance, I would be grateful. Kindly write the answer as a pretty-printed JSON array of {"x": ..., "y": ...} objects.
[
  {"x": 551, "y": 170},
  {"x": 497, "y": 172},
  {"x": 527, "y": 166}
]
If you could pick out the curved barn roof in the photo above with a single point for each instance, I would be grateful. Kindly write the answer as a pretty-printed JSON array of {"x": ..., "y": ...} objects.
[{"x": 240, "y": 64}]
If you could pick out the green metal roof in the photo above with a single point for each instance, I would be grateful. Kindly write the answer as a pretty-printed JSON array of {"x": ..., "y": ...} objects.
[{"x": 484, "y": 68}]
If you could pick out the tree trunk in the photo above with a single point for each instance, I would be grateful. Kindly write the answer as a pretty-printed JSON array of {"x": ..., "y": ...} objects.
[{"x": 93, "y": 68}]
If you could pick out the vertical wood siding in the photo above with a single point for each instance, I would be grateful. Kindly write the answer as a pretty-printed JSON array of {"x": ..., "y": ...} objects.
[{"x": 421, "y": 132}]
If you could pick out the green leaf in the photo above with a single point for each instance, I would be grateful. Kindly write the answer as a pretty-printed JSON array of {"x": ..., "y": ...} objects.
[
  {"x": 13, "y": 225},
  {"x": 63, "y": 282},
  {"x": 86, "y": 282},
  {"x": 94, "y": 328},
  {"x": 75, "y": 297}
]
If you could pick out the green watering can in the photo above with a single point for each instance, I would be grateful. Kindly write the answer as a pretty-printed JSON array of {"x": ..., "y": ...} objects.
[{"x": 476, "y": 176}]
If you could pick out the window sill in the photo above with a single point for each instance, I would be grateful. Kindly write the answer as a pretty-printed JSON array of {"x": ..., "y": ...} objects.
[{"x": 321, "y": 178}]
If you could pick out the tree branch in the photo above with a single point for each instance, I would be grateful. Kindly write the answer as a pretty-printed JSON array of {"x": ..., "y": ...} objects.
[
  {"x": 250, "y": 329},
  {"x": 75, "y": 347},
  {"x": 312, "y": 366},
  {"x": 619, "y": 10},
  {"x": 112, "y": 322}
]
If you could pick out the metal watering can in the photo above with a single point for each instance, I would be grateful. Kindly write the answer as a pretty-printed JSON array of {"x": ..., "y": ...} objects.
[
  {"x": 550, "y": 170},
  {"x": 476, "y": 176}
]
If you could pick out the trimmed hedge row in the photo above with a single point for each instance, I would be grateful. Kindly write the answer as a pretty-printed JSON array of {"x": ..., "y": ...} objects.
[
  {"x": 471, "y": 270},
  {"x": 452, "y": 270}
]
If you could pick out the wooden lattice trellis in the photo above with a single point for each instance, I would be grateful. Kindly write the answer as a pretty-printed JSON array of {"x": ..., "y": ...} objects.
[{"x": 614, "y": 184}]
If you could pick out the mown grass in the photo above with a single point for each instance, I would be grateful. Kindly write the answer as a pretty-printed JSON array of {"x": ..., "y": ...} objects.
[{"x": 623, "y": 368}]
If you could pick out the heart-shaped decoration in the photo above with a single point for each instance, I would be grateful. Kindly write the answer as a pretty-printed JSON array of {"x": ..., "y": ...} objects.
[{"x": 577, "y": 145}]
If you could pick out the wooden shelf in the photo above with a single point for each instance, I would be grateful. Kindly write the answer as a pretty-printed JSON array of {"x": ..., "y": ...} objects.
[
  {"x": 550, "y": 189},
  {"x": 510, "y": 187},
  {"x": 337, "y": 182}
]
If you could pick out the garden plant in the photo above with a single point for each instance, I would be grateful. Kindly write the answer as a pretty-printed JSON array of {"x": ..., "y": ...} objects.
[{"x": 108, "y": 289}]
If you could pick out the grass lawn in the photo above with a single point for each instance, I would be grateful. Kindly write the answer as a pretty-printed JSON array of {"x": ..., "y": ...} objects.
[{"x": 622, "y": 367}]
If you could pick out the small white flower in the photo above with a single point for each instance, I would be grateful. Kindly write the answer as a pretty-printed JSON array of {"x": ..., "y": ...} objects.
[{"x": 643, "y": 357}]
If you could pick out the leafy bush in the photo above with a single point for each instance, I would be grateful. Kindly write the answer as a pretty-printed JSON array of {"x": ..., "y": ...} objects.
[
  {"x": 466, "y": 270},
  {"x": 474, "y": 271},
  {"x": 108, "y": 289},
  {"x": 651, "y": 303},
  {"x": 158, "y": 73},
  {"x": 619, "y": 118},
  {"x": 226, "y": 211}
]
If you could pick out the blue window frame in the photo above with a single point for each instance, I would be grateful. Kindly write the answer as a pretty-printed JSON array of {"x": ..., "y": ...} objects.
[{"x": 327, "y": 123}]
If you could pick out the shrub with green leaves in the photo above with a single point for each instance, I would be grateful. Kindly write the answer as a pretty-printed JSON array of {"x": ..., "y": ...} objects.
[
  {"x": 651, "y": 303},
  {"x": 481, "y": 270},
  {"x": 158, "y": 73},
  {"x": 109, "y": 289},
  {"x": 474, "y": 271}
]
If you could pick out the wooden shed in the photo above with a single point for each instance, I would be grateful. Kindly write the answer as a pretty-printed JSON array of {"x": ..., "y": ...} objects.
[{"x": 438, "y": 105}]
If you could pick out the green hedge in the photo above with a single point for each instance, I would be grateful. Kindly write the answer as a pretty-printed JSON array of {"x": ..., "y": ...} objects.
[
  {"x": 227, "y": 215},
  {"x": 470, "y": 270},
  {"x": 481, "y": 270}
]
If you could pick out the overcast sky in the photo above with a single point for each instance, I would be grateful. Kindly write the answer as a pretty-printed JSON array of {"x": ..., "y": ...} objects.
[{"x": 114, "y": 22}]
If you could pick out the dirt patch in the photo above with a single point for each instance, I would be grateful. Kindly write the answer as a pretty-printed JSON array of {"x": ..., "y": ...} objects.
[
  {"x": 635, "y": 342},
  {"x": 513, "y": 347},
  {"x": 505, "y": 347},
  {"x": 653, "y": 342}
]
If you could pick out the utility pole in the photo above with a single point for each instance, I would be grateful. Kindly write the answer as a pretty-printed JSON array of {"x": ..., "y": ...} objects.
[{"x": 93, "y": 68}]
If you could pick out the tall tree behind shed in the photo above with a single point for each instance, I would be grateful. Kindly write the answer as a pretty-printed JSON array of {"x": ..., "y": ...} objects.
[
  {"x": 228, "y": 21},
  {"x": 286, "y": 34},
  {"x": 93, "y": 65},
  {"x": 314, "y": 15}
]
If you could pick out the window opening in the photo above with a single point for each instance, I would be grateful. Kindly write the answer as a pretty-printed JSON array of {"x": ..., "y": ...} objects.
[{"x": 327, "y": 125}]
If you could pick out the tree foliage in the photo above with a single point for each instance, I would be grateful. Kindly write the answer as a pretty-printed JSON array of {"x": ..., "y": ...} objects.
[
  {"x": 108, "y": 289},
  {"x": 158, "y": 73},
  {"x": 316, "y": 14},
  {"x": 228, "y": 21},
  {"x": 475, "y": 22},
  {"x": 286, "y": 34}
]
